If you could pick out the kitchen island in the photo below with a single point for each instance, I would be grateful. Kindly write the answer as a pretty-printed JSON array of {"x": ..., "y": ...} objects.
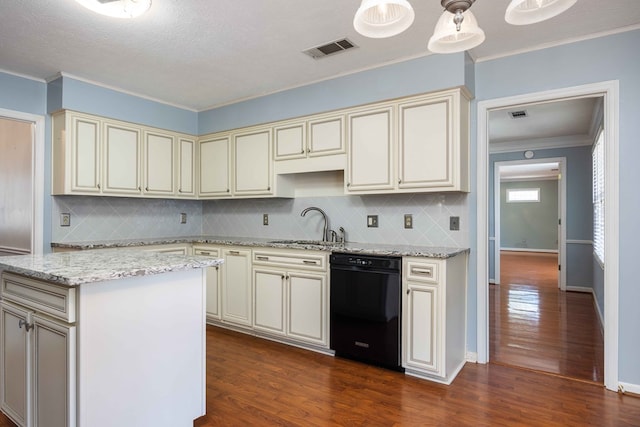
[{"x": 103, "y": 338}]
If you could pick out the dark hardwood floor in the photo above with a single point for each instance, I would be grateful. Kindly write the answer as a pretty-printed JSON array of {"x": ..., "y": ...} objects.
[
  {"x": 536, "y": 326},
  {"x": 256, "y": 382}
]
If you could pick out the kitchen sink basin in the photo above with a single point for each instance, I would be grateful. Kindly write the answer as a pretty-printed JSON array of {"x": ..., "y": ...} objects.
[{"x": 303, "y": 242}]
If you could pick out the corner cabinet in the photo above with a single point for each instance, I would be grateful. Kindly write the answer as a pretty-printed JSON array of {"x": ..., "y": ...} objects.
[
  {"x": 416, "y": 144},
  {"x": 434, "y": 317},
  {"x": 98, "y": 156}
]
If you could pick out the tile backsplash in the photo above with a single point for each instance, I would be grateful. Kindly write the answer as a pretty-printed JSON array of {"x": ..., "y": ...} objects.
[{"x": 111, "y": 218}]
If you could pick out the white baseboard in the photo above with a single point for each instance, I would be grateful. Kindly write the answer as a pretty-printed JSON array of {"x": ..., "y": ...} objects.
[
  {"x": 546, "y": 251},
  {"x": 472, "y": 357},
  {"x": 584, "y": 289},
  {"x": 628, "y": 388}
]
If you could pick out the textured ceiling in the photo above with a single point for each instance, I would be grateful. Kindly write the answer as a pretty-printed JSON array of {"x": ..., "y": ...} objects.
[{"x": 203, "y": 53}]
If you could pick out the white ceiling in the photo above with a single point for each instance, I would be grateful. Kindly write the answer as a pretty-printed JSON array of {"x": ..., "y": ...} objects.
[{"x": 202, "y": 53}]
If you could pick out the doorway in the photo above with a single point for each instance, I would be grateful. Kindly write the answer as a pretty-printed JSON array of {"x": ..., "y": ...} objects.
[
  {"x": 22, "y": 183},
  {"x": 609, "y": 92}
]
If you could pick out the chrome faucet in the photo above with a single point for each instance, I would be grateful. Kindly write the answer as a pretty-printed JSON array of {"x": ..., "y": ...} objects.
[{"x": 324, "y": 216}]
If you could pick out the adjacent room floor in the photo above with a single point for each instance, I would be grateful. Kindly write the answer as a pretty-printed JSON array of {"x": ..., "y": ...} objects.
[{"x": 536, "y": 326}]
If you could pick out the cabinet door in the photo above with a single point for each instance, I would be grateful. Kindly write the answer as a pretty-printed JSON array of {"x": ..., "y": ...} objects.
[
  {"x": 236, "y": 287},
  {"x": 85, "y": 155},
  {"x": 15, "y": 369},
  {"x": 54, "y": 373},
  {"x": 371, "y": 145},
  {"x": 252, "y": 156},
  {"x": 213, "y": 283},
  {"x": 159, "y": 162},
  {"x": 426, "y": 146},
  {"x": 214, "y": 167},
  {"x": 121, "y": 159},
  {"x": 307, "y": 317},
  {"x": 269, "y": 301},
  {"x": 290, "y": 141},
  {"x": 421, "y": 343},
  {"x": 186, "y": 167},
  {"x": 326, "y": 136}
]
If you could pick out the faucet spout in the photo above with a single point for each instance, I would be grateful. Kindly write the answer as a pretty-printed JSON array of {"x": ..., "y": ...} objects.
[{"x": 324, "y": 216}]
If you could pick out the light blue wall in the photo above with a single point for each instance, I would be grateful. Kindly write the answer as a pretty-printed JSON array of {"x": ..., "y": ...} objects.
[
  {"x": 419, "y": 75},
  {"x": 602, "y": 59},
  {"x": 72, "y": 94},
  {"x": 530, "y": 225}
]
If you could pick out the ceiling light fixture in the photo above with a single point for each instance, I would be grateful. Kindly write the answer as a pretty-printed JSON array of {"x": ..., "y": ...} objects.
[
  {"x": 457, "y": 29},
  {"x": 383, "y": 18},
  {"x": 524, "y": 12},
  {"x": 117, "y": 8}
]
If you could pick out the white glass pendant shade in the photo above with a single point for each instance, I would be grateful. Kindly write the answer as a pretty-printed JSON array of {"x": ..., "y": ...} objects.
[
  {"x": 524, "y": 12},
  {"x": 447, "y": 39},
  {"x": 383, "y": 18},
  {"x": 117, "y": 8}
]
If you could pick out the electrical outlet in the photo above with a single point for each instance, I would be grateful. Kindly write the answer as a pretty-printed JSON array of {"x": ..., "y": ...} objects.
[
  {"x": 454, "y": 223},
  {"x": 265, "y": 219},
  {"x": 183, "y": 218},
  {"x": 65, "y": 220},
  {"x": 408, "y": 221},
  {"x": 372, "y": 221}
]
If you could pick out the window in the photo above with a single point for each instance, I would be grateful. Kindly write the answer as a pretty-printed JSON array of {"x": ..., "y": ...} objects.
[
  {"x": 598, "y": 198},
  {"x": 518, "y": 195}
]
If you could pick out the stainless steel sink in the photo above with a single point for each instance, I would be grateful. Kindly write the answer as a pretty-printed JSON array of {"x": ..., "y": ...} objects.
[{"x": 303, "y": 242}]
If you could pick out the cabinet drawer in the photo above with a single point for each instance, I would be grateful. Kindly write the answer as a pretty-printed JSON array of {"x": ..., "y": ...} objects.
[
  {"x": 304, "y": 260},
  {"x": 422, "y": 271},
  {"x": 56, "y": 301}
]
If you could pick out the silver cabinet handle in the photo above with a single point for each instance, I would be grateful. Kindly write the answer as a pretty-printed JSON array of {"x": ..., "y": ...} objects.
[
  {"x": 146, "y": 188},
  {"x": 98, "y": 186},
  {"x": 26, "y": 325},
  {"x": 306, "y": 261},
  {"x": 408, "y": 291},
  {"x": 204, "y": 253},
  {"x": 421, "y": 271},
  {"x": 262, "y": 258},
  {"x": 234, "y": 253}
]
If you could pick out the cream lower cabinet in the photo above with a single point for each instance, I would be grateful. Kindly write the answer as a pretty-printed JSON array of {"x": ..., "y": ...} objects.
[
  {"x": 38, "y": 354},
  {"x": 214, "y": 276},
  {"x": 236, "y": 287},
  {"x": 290, "y": 295},
  {"x": 433, "y": 310}
]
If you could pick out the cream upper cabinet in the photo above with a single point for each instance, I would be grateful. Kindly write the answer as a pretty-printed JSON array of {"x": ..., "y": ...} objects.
[
  {"x": 290, "y": 141},
  {"x": 433, "y": 143},
  {"x": 214, "y": 166},
  {"x": 159, "y": 163},
  {"x": 326, "y": 135},
  {"x": 416, "y": 144},
  {"x": 186, "y": 166},
  {"x": 371, "y": 142},
  {"x": 77, "y": 166},
  {"x": 252, "y": 162},
  {"x": 121, "y": 159}
]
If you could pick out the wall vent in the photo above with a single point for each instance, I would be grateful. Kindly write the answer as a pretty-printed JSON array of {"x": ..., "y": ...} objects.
[
  {"x": 330, "y": 48},
  {"x": 520, "y": 114}
]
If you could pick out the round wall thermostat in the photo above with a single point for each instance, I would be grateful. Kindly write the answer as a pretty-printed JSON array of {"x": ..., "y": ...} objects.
[{"x": 528, "y": 154}]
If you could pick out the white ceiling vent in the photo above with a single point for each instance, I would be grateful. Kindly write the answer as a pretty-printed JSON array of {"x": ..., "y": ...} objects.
[
  {"x": 329, "y": 48},
  {"x": 520, "y": 114}
]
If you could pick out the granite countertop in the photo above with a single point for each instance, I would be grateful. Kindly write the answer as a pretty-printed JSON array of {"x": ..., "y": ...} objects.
[
  {"x": 77, "y": 268},
  {"x": 348, "y": 247}
]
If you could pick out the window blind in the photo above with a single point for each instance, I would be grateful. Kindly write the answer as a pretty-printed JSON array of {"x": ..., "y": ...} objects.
[{"x": 598, "y": 198}]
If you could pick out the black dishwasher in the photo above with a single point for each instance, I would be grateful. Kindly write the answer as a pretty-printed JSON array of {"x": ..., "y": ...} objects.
[{"x": 365, "y": 307}]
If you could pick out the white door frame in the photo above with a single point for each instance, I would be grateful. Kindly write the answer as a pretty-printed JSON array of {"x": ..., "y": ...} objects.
[
  {"x": 610, "y": 91},
  {"x": 562, "y": 214},
  {"x": 37, "y": 167}
]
